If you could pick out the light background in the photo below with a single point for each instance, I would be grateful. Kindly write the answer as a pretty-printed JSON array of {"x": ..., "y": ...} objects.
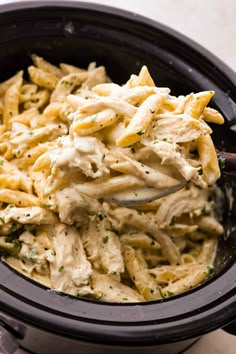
[{"x": 212, "y": 23}]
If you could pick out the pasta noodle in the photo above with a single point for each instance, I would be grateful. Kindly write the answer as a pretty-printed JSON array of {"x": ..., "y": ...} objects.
[{"x": 70, "y": 141}]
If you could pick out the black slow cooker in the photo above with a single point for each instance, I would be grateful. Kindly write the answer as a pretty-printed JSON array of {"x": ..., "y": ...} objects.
[{"x": 79, "y": 33}]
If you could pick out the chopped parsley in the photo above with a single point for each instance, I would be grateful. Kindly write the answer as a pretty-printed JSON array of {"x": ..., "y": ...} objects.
[
  {"x": 93, "y": 118},
  {"x": 61, "y": 268},
  {"x": 9, "y": 239},
  {"x": 11, "y": 206},
  {"x": 210, "y": 269},
  {"x": 164, "y": 139},
  {"x": 16, "y": 246},
  {"x": 161, "y": 292},
  {"x": 32, "y": 253},
  {"x": 170, "y": 293},
  {"x": 33, "y": 232},
  {"x": 2, "y": 220},
  {"x": 30, "y": 132},
  {"x": 222, "y": 163},
  {"x": 1, "y": 162},
  {"x": 125, "y": 299},
  {"x": 140, "y": 132},
  {"x": 101, "y": 216},
  {"x": 13, "y": 227},
  {"x": 105, "y": 239},
  {"x": 66, "y": 83},
  {"x": 204, "y": 211},
  {"x": 47, "y": 205}
]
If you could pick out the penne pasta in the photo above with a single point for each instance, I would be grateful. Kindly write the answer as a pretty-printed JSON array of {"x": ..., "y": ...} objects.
[
  {"x": 72, "y": 144},
  {"x": 141, "y": 120},
  {"x": 42, "y": 78},
  {"x": 11, "y": 101},
  {"x": 208, "y": 158}
]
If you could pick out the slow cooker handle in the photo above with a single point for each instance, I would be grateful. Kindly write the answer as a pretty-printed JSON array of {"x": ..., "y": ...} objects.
[
  {"x": 8, "y": 343},
  {"x": 231, "y": 328}
]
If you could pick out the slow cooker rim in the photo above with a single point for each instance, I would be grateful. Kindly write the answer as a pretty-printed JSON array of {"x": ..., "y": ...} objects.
[
  {"x": 229, "y": 303},
  {"x": 132, "y": 16},
  {"x": 28, "y": 311}
]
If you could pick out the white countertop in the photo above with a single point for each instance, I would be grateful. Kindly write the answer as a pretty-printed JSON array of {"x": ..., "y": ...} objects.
[{"x": 212, "y": 23}]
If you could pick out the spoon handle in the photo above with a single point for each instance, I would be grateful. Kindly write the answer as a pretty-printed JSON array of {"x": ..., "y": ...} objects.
[{"x": 227, "y": 161}]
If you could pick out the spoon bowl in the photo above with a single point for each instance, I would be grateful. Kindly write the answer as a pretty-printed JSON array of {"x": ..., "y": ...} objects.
[{"x": 143, "y": 195}]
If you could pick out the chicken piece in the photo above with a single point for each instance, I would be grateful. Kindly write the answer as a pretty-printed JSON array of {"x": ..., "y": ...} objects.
[{"x": 70, "y": 269}]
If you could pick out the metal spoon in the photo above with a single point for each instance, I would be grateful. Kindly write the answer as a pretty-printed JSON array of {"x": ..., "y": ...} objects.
[{"x": 143, "y": 195}]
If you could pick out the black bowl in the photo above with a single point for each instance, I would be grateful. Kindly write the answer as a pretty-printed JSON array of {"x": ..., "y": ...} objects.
[{"x": 79, "y": 33}]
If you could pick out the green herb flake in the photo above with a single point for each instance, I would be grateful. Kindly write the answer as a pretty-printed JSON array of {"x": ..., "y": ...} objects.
[
  {"x": 11, "y": 206},
  {"x": 105, "y": 239},
  {"x": 210, "y": 269},
  {"x": 61, "y": 268},
  {"x": 161, "y": 292},
  {"x": 140, "y": 132},
  {"x": 13, "y": 227},
  {"x": 222, "y": 163},
  {"x": 204, "y": 211},
  {"x": 66, "y": 83},
  {"x": 101, "y": 216},
  {"x": 164, "y": 139},
  {"x": 47, "y": 205},
  {"x": 2, "y": 220},
  {"x": 30, "y": 132},
  {"x": 33, "y": 232},
  {"x": 170, "y": 293},
  {"x": 1, "y": 162},
  {"x": 32, "y": 253},
  {"x": 100, "y": 295},
  {"x": 125, "y": 299},
  {"x": 93, "y": 118},
  {"x": 16, "y": 246},
  {"x": 156, "y": 142},
  {"x": 9, "y": 239}
]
